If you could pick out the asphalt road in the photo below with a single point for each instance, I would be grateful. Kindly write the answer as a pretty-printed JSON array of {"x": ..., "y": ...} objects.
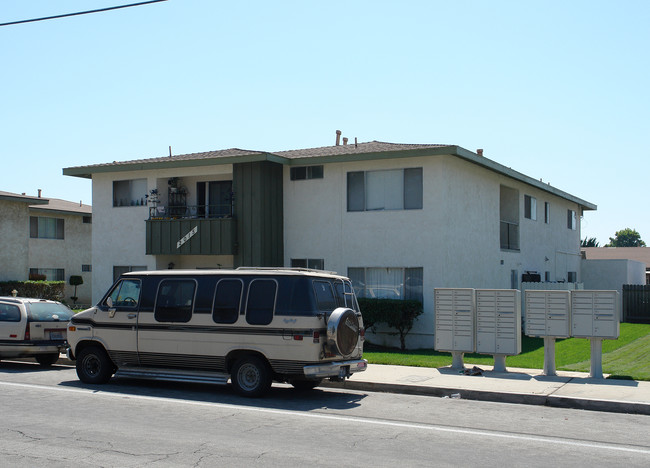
[{"x": 49, "y": 418}]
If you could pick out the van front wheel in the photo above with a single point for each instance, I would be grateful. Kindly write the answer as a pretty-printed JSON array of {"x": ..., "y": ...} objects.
[
  {"x": 94, "y": 366},
  {"x": 251, "y": 376}
]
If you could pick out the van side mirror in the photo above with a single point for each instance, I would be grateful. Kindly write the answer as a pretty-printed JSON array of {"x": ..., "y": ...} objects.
[{"x": 109, "y": 302}]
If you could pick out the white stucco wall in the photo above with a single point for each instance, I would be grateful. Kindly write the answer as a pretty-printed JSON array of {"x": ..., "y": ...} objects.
[
  {"x": 14, "y": 247},
  {"x": 69, "y": 253},
  {"x": 612, "y": 274},
  {"x": 119, "y": 233},
  {"x": 455, "y": 237}
]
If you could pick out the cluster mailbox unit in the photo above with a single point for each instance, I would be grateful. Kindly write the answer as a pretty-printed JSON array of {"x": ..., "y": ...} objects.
[
  {"x": 578, "y": 313},
  {"x": 486, "y": 321},
  {"x": 455, "y": 325}
]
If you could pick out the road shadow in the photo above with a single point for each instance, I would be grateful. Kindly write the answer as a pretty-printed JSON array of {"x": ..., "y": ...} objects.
[
  {"x": 281, "y": 396},
  {"x": 17, "y": 367}
]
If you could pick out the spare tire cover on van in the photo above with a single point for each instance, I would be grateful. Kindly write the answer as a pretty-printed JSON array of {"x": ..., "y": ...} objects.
[{"x": 343, "y": 331}]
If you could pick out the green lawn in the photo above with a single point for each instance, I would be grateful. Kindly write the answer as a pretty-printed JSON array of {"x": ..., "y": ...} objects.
[{"x": 627, "y": 357}]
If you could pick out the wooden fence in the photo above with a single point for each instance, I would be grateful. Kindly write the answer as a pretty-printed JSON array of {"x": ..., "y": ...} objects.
[{"x": 636, "y": 303}]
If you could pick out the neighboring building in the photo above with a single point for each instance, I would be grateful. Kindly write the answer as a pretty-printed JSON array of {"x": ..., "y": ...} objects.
[
  {"x": 638, "y": 254},
  {"x": 50, "y": 237},
  {"x": 398, "y": 219}
]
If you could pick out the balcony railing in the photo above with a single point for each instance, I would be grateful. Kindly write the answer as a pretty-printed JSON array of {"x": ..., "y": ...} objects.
[
  {"x": 509, "y": 235},
  {"x": 190, "y": 211}
]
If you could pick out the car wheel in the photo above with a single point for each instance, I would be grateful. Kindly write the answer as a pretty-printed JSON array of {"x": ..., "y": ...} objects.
[
  {"x": 47, "y": 360},
  {"x": 251, "y": 376},
  {"x": 94, "y": 366},
  {"x": 304, "y": 385}
]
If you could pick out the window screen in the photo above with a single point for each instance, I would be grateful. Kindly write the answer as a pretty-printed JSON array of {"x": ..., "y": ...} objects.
[{"x": 324, "y": 296}]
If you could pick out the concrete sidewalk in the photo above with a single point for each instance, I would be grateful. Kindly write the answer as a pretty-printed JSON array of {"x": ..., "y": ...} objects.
[{"x": 526, "y": 386}]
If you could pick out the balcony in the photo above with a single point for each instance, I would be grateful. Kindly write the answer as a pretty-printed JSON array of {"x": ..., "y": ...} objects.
[{"x": 191, "y": 230}]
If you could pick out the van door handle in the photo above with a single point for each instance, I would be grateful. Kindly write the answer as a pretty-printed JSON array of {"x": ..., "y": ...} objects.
[{"x": 131, "y": 316}]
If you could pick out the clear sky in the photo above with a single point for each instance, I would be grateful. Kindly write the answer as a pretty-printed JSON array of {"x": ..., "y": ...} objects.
[{"x": 557, "y": 90}]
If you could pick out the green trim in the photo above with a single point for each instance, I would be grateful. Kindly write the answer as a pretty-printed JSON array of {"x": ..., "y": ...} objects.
[{"x": 352, "y": 156}]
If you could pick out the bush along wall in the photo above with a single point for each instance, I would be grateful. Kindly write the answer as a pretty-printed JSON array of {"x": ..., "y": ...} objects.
[
  {"x": 52, "y": 290},
  {"x": 395, "y": 313}
]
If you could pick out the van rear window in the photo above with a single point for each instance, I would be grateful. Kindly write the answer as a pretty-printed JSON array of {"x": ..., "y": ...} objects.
[
  {"x": 324, "y": 296},
  {"x": 261, "y": 301}
]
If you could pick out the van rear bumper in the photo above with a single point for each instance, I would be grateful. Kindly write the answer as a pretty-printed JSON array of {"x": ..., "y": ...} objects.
[{"x": 340, "y": 370}]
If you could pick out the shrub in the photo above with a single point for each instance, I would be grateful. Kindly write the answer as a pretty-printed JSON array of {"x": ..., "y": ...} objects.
[
  {"x": 52, "y": 290},
  {"x": 395, "y": 313}
]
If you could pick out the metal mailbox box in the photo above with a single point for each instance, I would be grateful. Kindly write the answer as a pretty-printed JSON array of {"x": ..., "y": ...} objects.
[
  {"x": 454, "y": 320},
  {"x": 595, "y": 314},
  {"x": 548, "y": 313},
  {"x": 498, "y": 321}
]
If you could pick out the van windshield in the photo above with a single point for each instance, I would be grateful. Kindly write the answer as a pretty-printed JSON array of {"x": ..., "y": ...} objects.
[{"x": 48, "y": 312}]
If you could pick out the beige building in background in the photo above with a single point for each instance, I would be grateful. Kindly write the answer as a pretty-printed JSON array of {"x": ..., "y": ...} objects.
[{"x": 46, "y": 236}]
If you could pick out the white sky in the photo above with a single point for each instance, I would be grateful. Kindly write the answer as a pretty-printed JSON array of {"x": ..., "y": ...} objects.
[{"x": 556, "y": 90}]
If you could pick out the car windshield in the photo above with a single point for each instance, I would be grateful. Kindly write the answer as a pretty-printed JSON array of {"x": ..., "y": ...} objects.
[{"x": 48, "y": 312}]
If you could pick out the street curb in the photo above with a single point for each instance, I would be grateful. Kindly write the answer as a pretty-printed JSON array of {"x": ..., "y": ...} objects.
[{"x": 500, "y": 397}]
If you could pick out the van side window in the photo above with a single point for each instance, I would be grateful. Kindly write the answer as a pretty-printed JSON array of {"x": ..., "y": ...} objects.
[
  {"x": 175, "y": 300},
  {"x": 261, "y": 301},
  {"x": 9, "y": 313},
  {"x": 126, "y": 293},
  {"x": 324, "y": 296},
  {"x": 227, "y": 298}
]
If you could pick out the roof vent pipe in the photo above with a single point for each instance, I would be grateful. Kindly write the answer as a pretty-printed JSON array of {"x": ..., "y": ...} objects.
[
  {"x": 39, "y": 193},
  {"x": 170, "y": 151},
  {"x": 355, "y": 142},
  {"x": 479, "y": 152},
  {"x": 345, "y": 140},
  {"x": 338, "y": 137}
]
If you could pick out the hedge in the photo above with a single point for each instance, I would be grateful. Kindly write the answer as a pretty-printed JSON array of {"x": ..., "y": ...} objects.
[
  {"x": 52, "y": 290},
  {"x": 395, "y": 313}
]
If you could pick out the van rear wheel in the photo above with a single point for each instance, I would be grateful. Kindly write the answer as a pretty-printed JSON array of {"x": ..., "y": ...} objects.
[
  {"x": 47, "y": 360},
  {"x": 251, "y": 376},
  {"x": 303, "y": 385},
  {"x": 94, "y": 366}
]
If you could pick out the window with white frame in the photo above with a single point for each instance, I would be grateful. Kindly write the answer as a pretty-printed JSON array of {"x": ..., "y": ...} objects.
[
  {"x": 51, "y": 274},
  {"x": 306, "y": 172},
  {"x": 571, "y": 220},
  {"x": 41, "y": 227},
  {"x": 129, "y": 192},
  {"x": 530, "y": 207},
  {"x": 396, "y": 189},
  {"x": 547, "y": 212},
  {"x": 313, "y": 263},
  {"x": 387, "y": 283}
]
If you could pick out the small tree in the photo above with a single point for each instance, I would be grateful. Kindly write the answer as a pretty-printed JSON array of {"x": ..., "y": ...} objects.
[
  {"x": 395, "y": 313},
  {"x": 591, "y": 242},
  {"x": 75, "y": 281},
  {"x": 626, "y": 238}
]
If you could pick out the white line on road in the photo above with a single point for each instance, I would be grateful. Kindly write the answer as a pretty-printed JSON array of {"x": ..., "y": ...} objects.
[{"x": 357, "y": 420}]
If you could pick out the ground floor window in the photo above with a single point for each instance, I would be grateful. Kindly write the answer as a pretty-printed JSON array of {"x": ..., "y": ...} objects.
[
  {"x": 313, "y": 263},
  {"x": 387, "y": 283},
  {"x": 50, "y": 274},
  {"x": 118, "y": 270}
]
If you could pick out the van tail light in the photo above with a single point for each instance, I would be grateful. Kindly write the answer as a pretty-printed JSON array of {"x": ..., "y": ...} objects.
[
  {"x": 27, "y": 336},
  {"x": 362, "y": 334},
  {"x": 316, "y": 337},
  {"x": 297, "y": 337}
]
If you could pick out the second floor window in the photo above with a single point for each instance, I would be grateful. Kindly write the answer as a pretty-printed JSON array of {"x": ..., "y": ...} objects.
[
  {"x": 129, "y": 192},
  {"x": 571, "y": 220},
  {"x": 46, "y": 228},
  {"x": 396, "y": 189},
  {"x": 530, "y": 207}
]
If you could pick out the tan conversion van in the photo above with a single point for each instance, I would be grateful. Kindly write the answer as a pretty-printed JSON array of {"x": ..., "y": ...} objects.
[{"x": 252, "y": 326}]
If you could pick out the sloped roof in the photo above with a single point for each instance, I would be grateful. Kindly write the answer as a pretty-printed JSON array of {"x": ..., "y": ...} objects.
[
  {"x": 372, "y": 150},
  {"x": 640, "y": 254},
  {"x": 21, "y": 198},
  {"x": 56, "y": 205}
]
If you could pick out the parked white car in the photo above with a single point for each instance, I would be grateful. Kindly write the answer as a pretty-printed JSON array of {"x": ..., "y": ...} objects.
[{"x": 33, "y": 328}]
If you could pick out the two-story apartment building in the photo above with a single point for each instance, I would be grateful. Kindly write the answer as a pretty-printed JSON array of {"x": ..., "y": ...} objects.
[
  {"x": 46, "y": 237},
  {"x": 398, "y": 219}
]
